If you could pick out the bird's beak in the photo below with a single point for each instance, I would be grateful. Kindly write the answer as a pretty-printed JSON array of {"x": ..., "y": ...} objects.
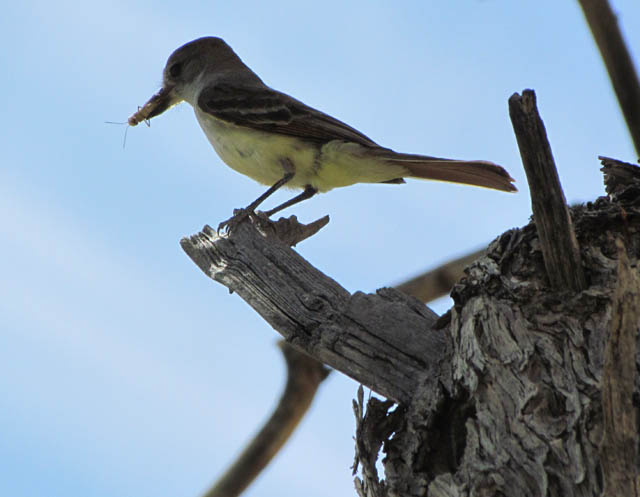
[{"x": 165, "y": 98}]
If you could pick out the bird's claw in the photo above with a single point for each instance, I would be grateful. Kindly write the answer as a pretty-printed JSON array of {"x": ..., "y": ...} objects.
[{"x": 239, "y": 215}]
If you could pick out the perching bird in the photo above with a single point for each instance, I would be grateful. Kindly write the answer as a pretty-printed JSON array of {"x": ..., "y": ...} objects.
[{"x": 277, "y": 140}]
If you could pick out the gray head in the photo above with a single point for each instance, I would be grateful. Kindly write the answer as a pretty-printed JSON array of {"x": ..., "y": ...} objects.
[
  {"x": 191, "y": 61},
  {"x": 187, "y": 70}
]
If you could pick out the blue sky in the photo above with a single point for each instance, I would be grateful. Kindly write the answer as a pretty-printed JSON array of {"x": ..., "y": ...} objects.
[{"x": 123, "y": 370}]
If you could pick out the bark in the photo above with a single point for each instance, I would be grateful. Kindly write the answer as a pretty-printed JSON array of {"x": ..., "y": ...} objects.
[
  {"x": 550, "y": 212},
  {"x": 618, "y": 449},
  {"x": 503, "y": 395},
  {"x": 524, "y": 415},
  {"x": 511, "y": 403},
  {"x": 385, "y": 340}
]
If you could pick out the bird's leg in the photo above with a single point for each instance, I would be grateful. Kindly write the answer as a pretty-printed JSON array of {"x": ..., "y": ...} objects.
[
  {"x": 281, "y": 182},
  {"x": 240, "y": 214},
  {"x": 309, "y": 191}
]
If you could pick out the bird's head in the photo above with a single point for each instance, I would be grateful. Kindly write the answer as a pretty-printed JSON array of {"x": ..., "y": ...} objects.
[{"x": 188, "y": 70}]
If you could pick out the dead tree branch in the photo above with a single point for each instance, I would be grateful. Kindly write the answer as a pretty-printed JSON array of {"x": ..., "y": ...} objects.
[
  {"x": 385, "y": 341},
  {"x": 304, "y": 376},
  {"x": 439, "y": 281},
  {"x": 617, "y": 60},
  {"x": 550, "y": 212}
]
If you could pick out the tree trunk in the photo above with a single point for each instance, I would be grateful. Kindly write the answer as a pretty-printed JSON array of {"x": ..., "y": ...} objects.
[
  {"x": 531, "y": 378},
  {"x": 524, "y": 388},
  {"x": 524, "y": 413}
]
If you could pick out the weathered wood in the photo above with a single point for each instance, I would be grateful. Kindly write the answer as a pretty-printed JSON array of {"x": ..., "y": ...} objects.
[
  {"x": 550, "y": 213},
  {"x": 383, "y": 340},
  {"x": 524, "y": 415},
  {"x": 618, "y": 61},
  {"x": 618, "y": 175},
  {"x": 618, "y": 450},
  {"x": 288, "y": 230},
  {"x": 372, "y": 431},
  {"x": 504, "y": 399}
]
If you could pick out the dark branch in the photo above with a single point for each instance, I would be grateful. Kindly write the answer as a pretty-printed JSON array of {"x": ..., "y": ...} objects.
[
  {"x": 439, "y": 281},
  {"x": 550, "y": 213},
  {"x": 617, "y": 59},
  {"x": 304, "y": 376}
]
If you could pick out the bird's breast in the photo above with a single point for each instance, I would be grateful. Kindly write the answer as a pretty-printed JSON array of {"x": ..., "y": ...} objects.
[{"x": 257, "y": 154}]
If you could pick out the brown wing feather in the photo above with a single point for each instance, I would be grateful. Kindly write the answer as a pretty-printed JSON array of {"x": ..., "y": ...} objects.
[{"x": 265, "y": 109}]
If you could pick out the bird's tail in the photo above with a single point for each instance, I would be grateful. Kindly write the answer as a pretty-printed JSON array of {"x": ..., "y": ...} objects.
[{"x": 468, "y": 172}]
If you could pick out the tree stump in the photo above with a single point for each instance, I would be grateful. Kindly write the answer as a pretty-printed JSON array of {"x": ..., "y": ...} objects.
[{"x": 528, "y": 386}]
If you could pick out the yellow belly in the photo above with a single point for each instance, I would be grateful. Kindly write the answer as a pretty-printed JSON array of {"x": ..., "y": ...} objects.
[{"x": 262, "y": 156}]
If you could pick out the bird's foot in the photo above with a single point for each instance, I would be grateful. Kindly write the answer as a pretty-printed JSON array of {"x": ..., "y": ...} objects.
[{"x": 239, "y": 215}]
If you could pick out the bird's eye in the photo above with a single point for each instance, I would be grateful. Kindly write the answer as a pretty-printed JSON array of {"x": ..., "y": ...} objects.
[{"x": 175, "y": 70}]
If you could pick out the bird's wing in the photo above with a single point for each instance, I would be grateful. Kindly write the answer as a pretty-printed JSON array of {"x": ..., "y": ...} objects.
[{"x": 264, "y": 109}]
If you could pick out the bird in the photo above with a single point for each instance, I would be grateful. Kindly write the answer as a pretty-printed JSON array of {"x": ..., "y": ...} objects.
[{"x": 279, "y": 141}]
